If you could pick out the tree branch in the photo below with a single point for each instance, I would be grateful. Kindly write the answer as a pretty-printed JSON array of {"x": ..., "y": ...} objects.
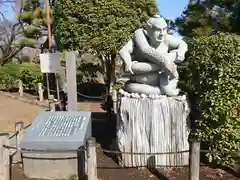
[
  {"x": 11, "y": 55},
  {"x": 3, "y": 16}
]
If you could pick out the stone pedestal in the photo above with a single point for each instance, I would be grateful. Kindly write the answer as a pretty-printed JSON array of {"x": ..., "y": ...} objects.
[
  {"x": 147, "y": 125},
  {"x": 55, "y": 142},
  {"x": 53, "y": 165}
]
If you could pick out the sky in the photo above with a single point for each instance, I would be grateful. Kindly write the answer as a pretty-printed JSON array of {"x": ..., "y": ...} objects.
[
  {"x": 7, "y": 10},
  {"x": 168, "y": 9},
  {"x": 171, "y": 9}
]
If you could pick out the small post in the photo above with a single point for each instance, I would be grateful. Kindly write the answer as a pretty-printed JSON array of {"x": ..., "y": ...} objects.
[
  {"x": 20, "y": 87},
  {"x": 19, "y": 127},
  {"x": 194, "y": 164},
  {"x": 52, "y": 103},
  {"x": 4, "y": 157},
  {"x": 114, "y": 98},
  {"x": 40, "y": 91},
  {"x": 92, "y": 159}
]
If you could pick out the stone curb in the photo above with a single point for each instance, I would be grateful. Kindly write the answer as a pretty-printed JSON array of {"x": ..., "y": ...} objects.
[{"x": 23, "y": 99}]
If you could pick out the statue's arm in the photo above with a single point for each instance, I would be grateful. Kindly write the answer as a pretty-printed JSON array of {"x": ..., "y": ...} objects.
[
  {"x": 146, "y": 49},
  {"x": 135, "y": 67},
  {"x": 165, "y": 61},
  {"x": 140, "y": 38},
  {"x": 177, "y": 45},
  {"x": 125, "y": 54}
]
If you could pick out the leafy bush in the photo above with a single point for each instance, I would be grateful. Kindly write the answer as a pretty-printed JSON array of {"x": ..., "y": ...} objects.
[
  {"x": 7, "y": 82},
  {"x": 29, "y": 74},
  {"x": 212, "y": 74},
  {"x": 29, "y": 79}
]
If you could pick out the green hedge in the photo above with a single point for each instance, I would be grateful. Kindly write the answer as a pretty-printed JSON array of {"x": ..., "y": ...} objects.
[
  {"x": 29, "y": 74},
  {"x": 212, "y": 74}
]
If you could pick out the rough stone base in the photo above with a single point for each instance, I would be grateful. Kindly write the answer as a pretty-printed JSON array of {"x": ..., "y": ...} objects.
[{"x": 153, "y": 126}]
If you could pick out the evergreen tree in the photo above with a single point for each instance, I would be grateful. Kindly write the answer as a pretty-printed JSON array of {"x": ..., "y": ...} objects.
[
  {"x": 99, "y": 26},
  {"x": 203, "y": 18},
  {"x": 15, "y": 36},
  {"x": 33, "y": 16}
]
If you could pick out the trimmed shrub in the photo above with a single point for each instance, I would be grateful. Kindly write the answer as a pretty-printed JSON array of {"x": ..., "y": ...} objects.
[
  {"x": 29, "y": 73},
  {"x": 212, "y": 76}
]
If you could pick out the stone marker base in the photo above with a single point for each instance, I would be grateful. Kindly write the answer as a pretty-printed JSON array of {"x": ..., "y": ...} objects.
[
  {"x": 54, "y": 165},
  {"x": 153, "y": 126},
  {"x": 52, "y": 133}
]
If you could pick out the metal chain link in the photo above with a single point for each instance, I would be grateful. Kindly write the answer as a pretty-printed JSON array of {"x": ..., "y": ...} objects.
[
  {"x": 104, "y": 150},
  {"x": 80, "y": 150},
  {"x": 83, "y": 95},
  {"x": 138, "y": 153},
  {"x": 38, "y": 150}
]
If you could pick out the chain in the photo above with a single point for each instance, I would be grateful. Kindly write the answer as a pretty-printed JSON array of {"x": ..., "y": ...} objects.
[
  {"x": 83, "y": 95},
  {"x": 138, "y": 153},
  {"x": 104, "y": 150},
  {"x": 38, "y": 150}
]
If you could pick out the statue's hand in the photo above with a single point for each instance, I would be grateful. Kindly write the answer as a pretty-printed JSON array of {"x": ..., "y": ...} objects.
[
  {"x": 130, "y": 67},
  {"x": 180, "y": 55},
  {"x": 169, "y": 64}
]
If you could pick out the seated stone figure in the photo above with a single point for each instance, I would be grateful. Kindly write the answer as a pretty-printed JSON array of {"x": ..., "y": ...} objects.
[{"x": 150, "y": 57}]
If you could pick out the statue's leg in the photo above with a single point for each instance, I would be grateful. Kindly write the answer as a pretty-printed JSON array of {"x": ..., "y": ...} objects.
[
  {"x": 144, "y": 67},
  {"x": 168, "y": 85},
  {"x": 133, "y": 87},
  {"x": 147, "y": 78}
]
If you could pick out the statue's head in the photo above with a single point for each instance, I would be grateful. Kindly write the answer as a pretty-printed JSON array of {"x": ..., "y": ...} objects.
[{"x": 157, "y": 28}]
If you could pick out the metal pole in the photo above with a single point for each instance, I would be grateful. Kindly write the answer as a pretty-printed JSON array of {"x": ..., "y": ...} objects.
[
  {"x": 48, "y": 24},
  {"x": 57, "y": 85},
  {"x": 48, "y": 90}
]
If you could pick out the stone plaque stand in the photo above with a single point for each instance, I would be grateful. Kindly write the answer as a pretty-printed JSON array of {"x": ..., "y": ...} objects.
[
  {"x": 147, "y": 125},
  {"x": 53, "y": 146}
]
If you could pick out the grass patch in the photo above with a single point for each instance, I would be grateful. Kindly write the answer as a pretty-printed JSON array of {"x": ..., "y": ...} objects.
[{"x": 14, "y": 69}]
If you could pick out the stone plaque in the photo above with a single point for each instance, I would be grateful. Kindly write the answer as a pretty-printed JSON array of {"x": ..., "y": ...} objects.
[{"x": 58, "y": 131}]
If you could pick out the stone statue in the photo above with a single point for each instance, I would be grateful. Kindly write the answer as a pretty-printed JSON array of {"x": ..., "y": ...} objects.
[{"x": 151, "y": 57}]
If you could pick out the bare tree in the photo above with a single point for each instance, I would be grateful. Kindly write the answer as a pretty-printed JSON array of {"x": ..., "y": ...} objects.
[
  {"x": 11, "y": 39},
  {"x": 14, "y": 4},
  {"x": 8, "y": 1},
  {"x": 17, "y": 5},
  {"x": 15, "y": 35}
]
